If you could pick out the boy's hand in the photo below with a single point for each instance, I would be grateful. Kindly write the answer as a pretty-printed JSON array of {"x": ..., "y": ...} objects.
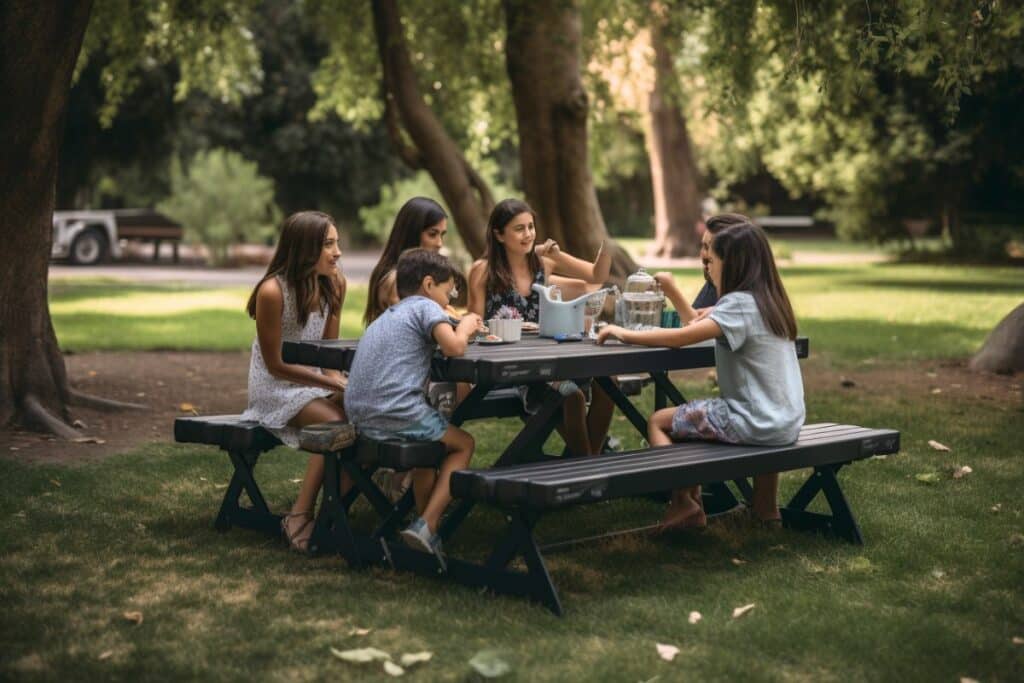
[
  {"x": 470, "y": 324},
  {"x": 550, "y": 249},
  {"x": 612, "y": 331}
]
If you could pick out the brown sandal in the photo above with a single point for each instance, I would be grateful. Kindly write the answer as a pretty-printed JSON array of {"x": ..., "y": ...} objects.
[{"x": 296, "y": 541}]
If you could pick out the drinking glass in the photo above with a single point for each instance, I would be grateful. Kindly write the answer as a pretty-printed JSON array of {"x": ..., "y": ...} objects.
[{"x": 592, "y": 308}]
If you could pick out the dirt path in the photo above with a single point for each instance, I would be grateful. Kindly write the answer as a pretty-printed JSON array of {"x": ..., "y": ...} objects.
[{"x": 172, "y": 384}]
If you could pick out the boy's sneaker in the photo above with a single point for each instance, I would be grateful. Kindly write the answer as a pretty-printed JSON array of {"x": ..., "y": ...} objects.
[{"x": 418, "y": 535}]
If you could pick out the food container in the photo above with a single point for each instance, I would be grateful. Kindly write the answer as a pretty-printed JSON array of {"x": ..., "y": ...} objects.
[
  {"x": 560, "y": 317},
  {"x": 510, "y": 330},
  {"x": 641, "y": 304}
]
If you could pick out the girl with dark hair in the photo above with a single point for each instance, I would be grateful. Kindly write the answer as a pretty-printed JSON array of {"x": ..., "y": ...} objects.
[
  {"x": 511, "y": 265},
  {"x": 421, "y": 222},
  {"x": 300, "y": 297},
  {"x": 762, "y": 393}
]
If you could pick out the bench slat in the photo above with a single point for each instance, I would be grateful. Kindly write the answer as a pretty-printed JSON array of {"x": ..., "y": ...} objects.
[{"x": 553, "y": 484}]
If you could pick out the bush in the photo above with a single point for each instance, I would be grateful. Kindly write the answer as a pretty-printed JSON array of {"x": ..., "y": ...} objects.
[{"x": 221, "y": 199}]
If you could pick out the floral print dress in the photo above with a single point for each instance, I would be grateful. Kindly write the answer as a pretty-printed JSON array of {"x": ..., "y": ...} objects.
[{"x": 528, "y": 306}]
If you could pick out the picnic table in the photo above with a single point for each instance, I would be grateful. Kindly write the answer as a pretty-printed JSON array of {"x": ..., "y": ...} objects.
[
  {"x": 537, "y": 360},
  {"x": 525, "y": 483}
]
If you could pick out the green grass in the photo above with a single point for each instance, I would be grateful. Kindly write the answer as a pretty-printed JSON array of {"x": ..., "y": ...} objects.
[
  {"x": 852, "y": 313},
  {"x": 933, "y": 595}
]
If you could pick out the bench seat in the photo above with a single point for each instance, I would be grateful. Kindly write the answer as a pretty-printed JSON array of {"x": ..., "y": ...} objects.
[
  {"x": 229, "y": 432},
  {"x": 572, "y": 481}
]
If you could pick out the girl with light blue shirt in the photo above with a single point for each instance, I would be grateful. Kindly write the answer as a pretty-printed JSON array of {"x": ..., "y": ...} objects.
[{"x": 762, "y": 394}]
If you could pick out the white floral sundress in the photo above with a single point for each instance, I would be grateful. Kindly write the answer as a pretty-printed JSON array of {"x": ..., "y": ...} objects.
[{"x": 274, "y": 402}]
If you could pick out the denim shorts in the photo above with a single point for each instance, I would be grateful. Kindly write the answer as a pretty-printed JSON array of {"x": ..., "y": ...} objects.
[
  {"x": 704, "y": 418},
  {"x": 430, "y": 429}
]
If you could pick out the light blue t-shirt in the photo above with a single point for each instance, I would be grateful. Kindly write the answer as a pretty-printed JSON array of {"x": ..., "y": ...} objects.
[
  {"x": 758, "y": 374},
  {"x": 387, "y": 379}
]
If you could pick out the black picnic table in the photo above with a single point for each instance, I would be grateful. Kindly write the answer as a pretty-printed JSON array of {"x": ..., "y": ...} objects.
[{"x": 539, "y": 361}]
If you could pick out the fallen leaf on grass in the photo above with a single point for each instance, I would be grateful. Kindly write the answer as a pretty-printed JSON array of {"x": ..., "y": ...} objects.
[
  {"x": 997, "y": 507},
  {"x": 87, "y": 439},
  {"x": 938, "y": 573},
  {"x": 740, "y": 611},
  {"x": 78, "y": 424},
  {"x": 937, "y": 446},
  {"x": 106, "y": 654},
  {"x": 1016, "y": 539},
  {"x": 55, "y": 483},
  {"x": 134, "y": 617},
  {"x": 737, "y": 561},
  {"x": 961, "y": 472},
  {"x": 878, "y": 457},
  {"x": 936, "y": 390},
  {"x": 667, "y": 652},
  {"x": 412, "y": 658},
  {"x": 489, "y": 664},
  {"x": 186, "y": 407},
  {"x": 694, "y": 617},
  {"x": 295, "y": 481},
  {"x": 860, "y": 564},
  {"x": 928, "y": 477},
  {"x": 965, "y": 679},
  {"x": 392, "y": 669},
  {"x": 358, "y": 632},
  {"x": 361, "y": 655},
  {"x": 1017, "y": 640}
]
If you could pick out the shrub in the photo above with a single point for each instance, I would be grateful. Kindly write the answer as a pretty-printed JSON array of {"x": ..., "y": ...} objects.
[{"x": 221, "y": 199}]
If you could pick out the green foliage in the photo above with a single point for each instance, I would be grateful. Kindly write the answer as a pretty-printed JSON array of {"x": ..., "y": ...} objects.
[
  {"x": 885, "y": 112},
  {"x": 457, "y": 52},
  {"x": 221, "y": 199},
  {"x": 208, "y": 40}
]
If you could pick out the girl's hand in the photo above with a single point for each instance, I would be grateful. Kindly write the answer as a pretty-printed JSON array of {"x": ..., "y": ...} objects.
[
  {"x": 702, "y": 313},
  {"x": 550, "y": 249},
  {"x": 613, "y": 331}
]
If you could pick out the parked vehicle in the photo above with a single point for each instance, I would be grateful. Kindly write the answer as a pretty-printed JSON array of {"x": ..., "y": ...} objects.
[{"x": 90, "y": 237}]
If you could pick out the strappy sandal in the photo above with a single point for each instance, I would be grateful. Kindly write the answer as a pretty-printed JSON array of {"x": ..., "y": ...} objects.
[{"x": 295, "y": 540}]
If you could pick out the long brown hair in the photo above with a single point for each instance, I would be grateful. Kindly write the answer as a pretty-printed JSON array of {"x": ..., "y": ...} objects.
[
  {"x": 298, "y": 250},
  {"x": 415, "y": 216},
  {"x": 748, "y": 266},
  {"x": 499, "y": 273}
]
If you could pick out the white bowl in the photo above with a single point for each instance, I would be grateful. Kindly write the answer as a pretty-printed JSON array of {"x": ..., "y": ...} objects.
[{"x": 508, "y": 330}]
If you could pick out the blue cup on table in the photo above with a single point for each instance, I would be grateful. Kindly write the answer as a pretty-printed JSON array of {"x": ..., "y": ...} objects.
[{"x": 670, "y": 319}]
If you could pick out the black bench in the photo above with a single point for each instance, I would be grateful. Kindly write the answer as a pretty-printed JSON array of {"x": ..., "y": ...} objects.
[
  {"x": 244, "y": 441},
  {"x": 525, "y": 492}
]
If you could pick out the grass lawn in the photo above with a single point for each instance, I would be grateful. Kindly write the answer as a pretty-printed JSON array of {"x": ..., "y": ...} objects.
[{"x": 935, "y": 594}]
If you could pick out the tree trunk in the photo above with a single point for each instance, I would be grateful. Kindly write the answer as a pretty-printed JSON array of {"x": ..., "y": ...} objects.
[
  {"x": 673, "y": 171},
  {"x": 542, "y": 55},
  {"x": 1003, "y": 351},
  {"x": 465, "y": 192},
  {"x": 39, "y": 45}
]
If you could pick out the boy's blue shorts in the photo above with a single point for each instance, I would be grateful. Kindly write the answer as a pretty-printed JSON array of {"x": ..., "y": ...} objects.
[{"x": 430, "y": 429}]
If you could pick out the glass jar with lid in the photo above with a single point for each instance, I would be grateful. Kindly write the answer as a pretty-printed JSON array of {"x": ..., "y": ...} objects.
[{"x": 641, "y": 303}]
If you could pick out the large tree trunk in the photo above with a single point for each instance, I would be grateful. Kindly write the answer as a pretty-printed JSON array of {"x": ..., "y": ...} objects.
[
  {"x": 1003, "y": 351},
  {"x": 464, "y": 191},
  {"x": 39, "y": 45},
  {"x": 542, "y": 55},
  {"x": 673, "y": 171}
]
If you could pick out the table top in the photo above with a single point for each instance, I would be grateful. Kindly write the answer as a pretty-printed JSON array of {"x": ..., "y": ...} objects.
[{"x": 531, "y": 360}]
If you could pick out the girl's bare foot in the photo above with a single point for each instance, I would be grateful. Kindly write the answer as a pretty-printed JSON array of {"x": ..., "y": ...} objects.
[
  {"x": 683, "y": 513},
  {"x": 298, "y": 529}
]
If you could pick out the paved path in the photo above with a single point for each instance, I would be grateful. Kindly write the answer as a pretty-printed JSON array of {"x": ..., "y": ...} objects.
[{"x": 357, "y": 266}]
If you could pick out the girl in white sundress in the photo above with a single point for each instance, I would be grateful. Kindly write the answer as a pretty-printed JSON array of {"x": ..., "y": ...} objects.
[{"x": 299, "y": 297}]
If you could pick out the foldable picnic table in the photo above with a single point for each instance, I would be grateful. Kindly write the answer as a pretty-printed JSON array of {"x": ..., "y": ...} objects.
[{"x": 539, "y": 361}]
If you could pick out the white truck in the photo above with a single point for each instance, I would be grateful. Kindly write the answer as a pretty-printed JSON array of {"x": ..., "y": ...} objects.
[{"x": 90, "y": 237}]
